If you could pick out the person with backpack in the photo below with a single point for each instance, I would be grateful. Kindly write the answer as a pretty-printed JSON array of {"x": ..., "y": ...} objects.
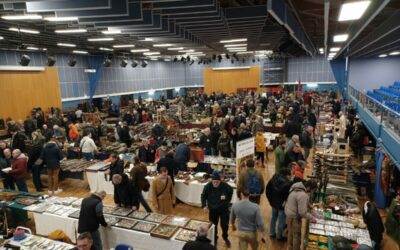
[
  {"x": 252, "y": 180},
  {"x": 277, "y": 191}
]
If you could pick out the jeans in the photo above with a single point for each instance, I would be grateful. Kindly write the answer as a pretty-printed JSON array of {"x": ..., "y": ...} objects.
[
  {"x": 88, "y": 156},
  {"x": 97, "y": 240},
  {"x": 144, "y": 202},
  {"x": 220, "y": 214},
  {"x": 277, "y": 214},
  {"x": 246, "y": 239},
  {"x": 21, "y": 184},
  {"x": 36, "y": 169},
  {"x": 53, "y": 178}
]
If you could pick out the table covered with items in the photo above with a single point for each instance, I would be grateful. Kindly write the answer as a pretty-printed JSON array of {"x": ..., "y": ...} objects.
[
  {"x": 137, "y": 228},
  {"x": 34, "y": 242}
]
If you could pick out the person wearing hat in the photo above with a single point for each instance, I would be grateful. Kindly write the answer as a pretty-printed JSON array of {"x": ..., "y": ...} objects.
[
  {"x": 215, "y": 199},
  {"x": 91, "y": 215}
]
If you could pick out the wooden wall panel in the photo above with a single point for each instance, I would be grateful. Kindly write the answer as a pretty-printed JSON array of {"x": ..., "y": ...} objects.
[
  {"x": 228, "y": 81},
  {"x": 21, "y": 91}
]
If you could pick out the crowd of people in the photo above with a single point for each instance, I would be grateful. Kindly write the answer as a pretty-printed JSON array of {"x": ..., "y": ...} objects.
[{"x": 233, "y": 118}]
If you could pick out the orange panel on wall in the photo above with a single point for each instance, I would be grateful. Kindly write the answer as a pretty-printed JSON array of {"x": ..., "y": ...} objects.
[
  {"x": 229, "y": 80},
  {"x": 23, "y": 90}
]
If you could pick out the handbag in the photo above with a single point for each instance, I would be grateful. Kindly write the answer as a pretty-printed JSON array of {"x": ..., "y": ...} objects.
[{"x": 165, "y": 187}]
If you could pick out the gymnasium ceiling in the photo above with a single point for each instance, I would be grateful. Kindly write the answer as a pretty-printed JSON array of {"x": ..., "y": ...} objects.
[{"x": 286, "y": 27}]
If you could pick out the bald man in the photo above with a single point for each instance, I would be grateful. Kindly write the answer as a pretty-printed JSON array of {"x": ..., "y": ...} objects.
[
  {"x": 201, "y": 242},
  {"x": 6, "y": 162},
  {"x": 125, "y": 195},
  {"x": 19, "y": 169}
]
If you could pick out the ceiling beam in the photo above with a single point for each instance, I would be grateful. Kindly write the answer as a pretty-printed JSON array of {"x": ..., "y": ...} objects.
[
  {"x": 367, "y": 22},
  {"x": 326, "y": 25}
]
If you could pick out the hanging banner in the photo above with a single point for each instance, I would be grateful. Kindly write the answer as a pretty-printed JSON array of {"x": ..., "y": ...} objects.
[{"x": 245, "y": 150}]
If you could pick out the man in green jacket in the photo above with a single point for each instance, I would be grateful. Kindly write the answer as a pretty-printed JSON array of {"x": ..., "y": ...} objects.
[
  {"x": 215, "y": 200},
  {"x": 280, "y": 155}
]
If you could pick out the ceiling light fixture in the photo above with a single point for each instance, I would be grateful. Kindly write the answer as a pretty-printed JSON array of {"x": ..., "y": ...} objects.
[
  {"x": 151, "y": 53},
  {"x": 234, "y": 40},
  {"x": 186, "y": 51},
  {"x": 334, "y": 49},
  {"x": 353, "y": 10},
  {"x": 111, "y": 32},
  {"x": 22, "y": 17},
  {"x": 235, "y": 45},
  {"x": 124, "y": 46},
  {"x": 106, "y": 49},
  {"x": 79, "y": 52},
  {"x": 61, "y": 19},
  {"x": 321, "y": 51},
  {"x": 178, "y": 48},
  {"x": 147, "y": 39},
  {"x": 103, "y": 39},
  {"x": 139, "y": 50},
  {"x": 340, "y": 38},
  {"x": 383, "y": 55},
  {"x": 32, "y": 48},
  {"x": 244, "y": 52},
  {"x": 1, "y": 38},
  {"x": 162, "y": 45},
  {"x": 66, "y": 44},
  {"x": 69, "y": 31},
  {"x": 394, "y": 53},
  {"x": 24, "y": 30}
]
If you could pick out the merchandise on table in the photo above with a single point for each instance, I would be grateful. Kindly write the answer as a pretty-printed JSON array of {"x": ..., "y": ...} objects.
[
  {"x": 77, "y": 203},
  {"x": 26, "y": 201},
  {"x": 195, "y": 224},
  {"x": 153, "y": 217},
  {"x": 164, "y": 231},
  {"x": 65, "y": 211},
  {"x": 7, "y": 196},
  {"x": 143, "y": 226},
  {"x": 126, "y": 223},
  {"x": 138, "y": 215},
  {"x": 111, "y": 219},
  {"x": 176, "y": 221},
  {"x": 53, "y": 208},
  {"x": 121, "y": 211},
  {"x": 108, "y": 210},
  {"x": 75, "y": 214},
  {"x": 40, "y": 243},
  {"x": 76, "y": 165},
  {"x": 186, "y": 235},
  {"x": 38, "y": 207},
  {"x": 66, "y": 201}
]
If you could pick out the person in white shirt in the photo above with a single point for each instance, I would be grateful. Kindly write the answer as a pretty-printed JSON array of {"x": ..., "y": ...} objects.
[
  {"x": 78, "y": 114},
  {"x": 88, "y": 147}
]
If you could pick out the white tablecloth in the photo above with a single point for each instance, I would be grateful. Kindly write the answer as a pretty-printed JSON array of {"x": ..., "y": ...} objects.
[
  {"x": 47, "y": 223},
  {"x": 189, "y": 194},
  {"x": 18, "y": 243}
]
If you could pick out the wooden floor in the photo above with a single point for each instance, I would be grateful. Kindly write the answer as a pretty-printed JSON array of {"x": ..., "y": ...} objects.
[{"x": 79, "y": 188}]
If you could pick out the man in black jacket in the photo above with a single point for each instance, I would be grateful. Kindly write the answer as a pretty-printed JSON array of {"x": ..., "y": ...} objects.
[
  {"x": 277, "y": 191},
  {"x": 306, "y": 141},
  {"x": 201, "y": 242},
  {"x": 206, "y": 142},
  {"x": 124, "y": 135},
  {"x": 169, "y": 162},
  {"x": 17, "y": 140},
  {"x": 116, "y": 167},
  {"x": 294, "y": 155},
  {"x": 91, "y": 216},
  {"x": 125, "y": 194},
  {"x": 147, "y": 153},
  {"x": 215, "y": 199},
  {"x": 84, "y": 242}
]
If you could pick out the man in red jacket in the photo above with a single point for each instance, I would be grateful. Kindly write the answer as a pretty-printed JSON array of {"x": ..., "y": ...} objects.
[{"x": 19, "y": 169}]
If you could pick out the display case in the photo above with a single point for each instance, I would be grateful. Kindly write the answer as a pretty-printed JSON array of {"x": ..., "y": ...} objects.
[
  {"x": 164, "y": 231},
  {"x": 186, "y": 235},
  {"x": 121, "y": 211},
  {"x": 195, "y": 224},
  {"x": 140, "y": 215},
  {"x": 154, "y": 217},
  {"x": 126, "y": 223},
  {"x": 145, "y": 227},
  {"x": 176, "y": 221}
]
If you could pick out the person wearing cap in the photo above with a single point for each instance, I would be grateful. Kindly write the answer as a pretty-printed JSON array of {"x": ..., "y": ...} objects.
[
  {"x": 215, "y": 199},
  {"x": 91, "y": 216}
]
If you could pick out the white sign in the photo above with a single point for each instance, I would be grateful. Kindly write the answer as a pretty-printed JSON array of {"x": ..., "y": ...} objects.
[{"x": 245, "y": 147}]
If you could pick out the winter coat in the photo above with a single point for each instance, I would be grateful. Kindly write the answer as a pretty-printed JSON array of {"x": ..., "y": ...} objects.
[
  {"x": 125, "y": 193},
  {"x": 224, "y": 145},
  {"x": 374, "y": 222},
  {"x": 277, "y": 190},
  {"x": 296, "y": 205},
  {"x": 201, "y": 243},
  {"x": 305, "y": 140},
  {"x": 19, "y": 167},
  {"x": 51, "y": 155}
]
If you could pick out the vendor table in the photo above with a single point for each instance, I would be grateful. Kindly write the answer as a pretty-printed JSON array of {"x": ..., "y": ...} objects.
[
  {"x": 18, "y": 243},
  {"x": 47, "y": 223},
  {"x": 188, "y": 193},
  {"x": 19, "y": 214}
]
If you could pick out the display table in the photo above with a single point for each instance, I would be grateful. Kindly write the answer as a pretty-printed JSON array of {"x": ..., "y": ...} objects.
[
  {"x": 20, "y": 244},
  {"x": 47, "y": 223},
  {"x": 188, "y": 193},
  {"x": 19, "y": 214},
  {"x": 97, "y": 178}
]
